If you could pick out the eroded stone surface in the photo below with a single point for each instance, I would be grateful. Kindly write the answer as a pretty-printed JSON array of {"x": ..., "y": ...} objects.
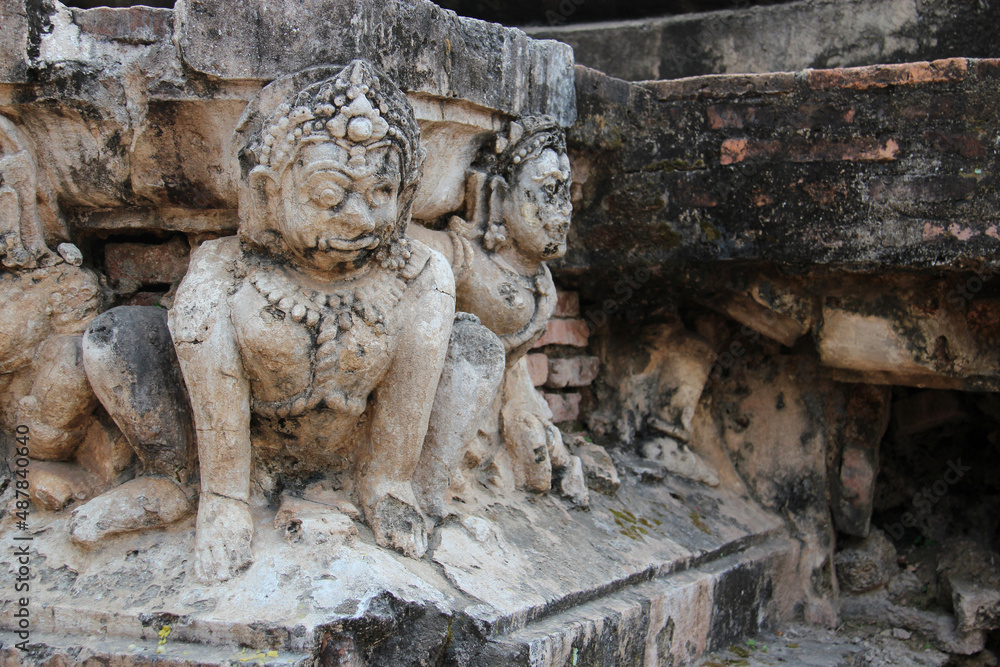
[{"x": 511, "y": 577}]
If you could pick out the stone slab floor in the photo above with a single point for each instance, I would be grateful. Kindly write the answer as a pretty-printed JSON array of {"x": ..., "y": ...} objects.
[{"x": 850, "y": 645}]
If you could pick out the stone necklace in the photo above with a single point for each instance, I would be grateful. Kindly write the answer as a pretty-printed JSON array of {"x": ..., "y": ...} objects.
[{"x": 331, "y": 315}]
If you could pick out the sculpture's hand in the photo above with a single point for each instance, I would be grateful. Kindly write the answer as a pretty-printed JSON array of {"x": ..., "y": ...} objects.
[{"x": 225, "y": 531}]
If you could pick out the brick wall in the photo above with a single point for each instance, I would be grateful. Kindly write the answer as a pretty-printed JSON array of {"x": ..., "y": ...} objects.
[
  {"x": 884, "y": 167},
  {"x": 559, "y": 363}
]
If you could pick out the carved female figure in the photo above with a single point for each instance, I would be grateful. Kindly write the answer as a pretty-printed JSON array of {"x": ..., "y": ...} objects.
[
  {"x": 519, "y": 216},
  {"x": 313, "y": 343},
  {"x": 46, "y": 301}
]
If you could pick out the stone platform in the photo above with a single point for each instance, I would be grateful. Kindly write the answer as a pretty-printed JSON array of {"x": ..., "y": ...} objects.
[{"x": 666, "y": 569}]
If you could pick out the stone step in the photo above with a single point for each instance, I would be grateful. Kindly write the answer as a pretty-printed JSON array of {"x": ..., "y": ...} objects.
[
  {"x": 507, "y": 584},
  {"x": 669, "y": 620}
]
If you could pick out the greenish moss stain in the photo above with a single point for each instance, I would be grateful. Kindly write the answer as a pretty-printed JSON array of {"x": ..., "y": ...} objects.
[
  {"x": 699, "y": 524},
  {"x": 675, "y": 164},
  {"x": 709, "y": 230},
  {"x": 671, "y": 239}
]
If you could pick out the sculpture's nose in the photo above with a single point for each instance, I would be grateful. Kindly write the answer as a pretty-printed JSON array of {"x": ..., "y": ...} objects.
[{"x": 355, "y": 215}]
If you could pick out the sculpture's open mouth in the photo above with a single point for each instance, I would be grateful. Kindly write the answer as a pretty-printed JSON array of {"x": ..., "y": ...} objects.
[{"x": 345, "y": 245}]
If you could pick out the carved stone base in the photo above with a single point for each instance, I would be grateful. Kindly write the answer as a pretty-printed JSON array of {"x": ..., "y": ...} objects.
[{"x": 665, "y": 569}]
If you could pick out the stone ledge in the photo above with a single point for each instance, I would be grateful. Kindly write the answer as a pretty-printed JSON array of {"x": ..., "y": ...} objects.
[{"x": 477, "y": 584}]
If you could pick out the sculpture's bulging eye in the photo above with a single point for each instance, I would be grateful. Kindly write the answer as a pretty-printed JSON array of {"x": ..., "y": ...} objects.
[
  {"x": 381, "y": 194},
  {"x": 328, "y": 195}
]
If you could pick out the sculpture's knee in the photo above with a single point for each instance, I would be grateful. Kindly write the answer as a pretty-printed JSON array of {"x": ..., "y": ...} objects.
[
  {"x": 473, "y": 344},
  {"x": 132, "y": 367}
]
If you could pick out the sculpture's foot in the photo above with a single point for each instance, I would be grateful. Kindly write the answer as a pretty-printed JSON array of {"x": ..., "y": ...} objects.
[
  {"x": 55, "y": 485},
  {"x": 313, "y": 524},
  {"x": 399, "y": 525},
  {"x": 139, "y": 504},
  {"x": 225, "y": 532},
  {"x": 527, "y": 442}
]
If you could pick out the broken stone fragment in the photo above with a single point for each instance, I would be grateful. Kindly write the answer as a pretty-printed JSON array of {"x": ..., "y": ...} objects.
[
  {"x": 969, "y": 582},
  {"x": 866, "y": 565},
  {"x": 313, "y": 524},
  {"x": 572, "y": 484},
  {"x": 875, "y": 607},
  {"x": 680, "y": 460},
  {"x": 779, "y": 308},
  {"x": 131, "y": 364},
  {"x": 598, "y": 468}
]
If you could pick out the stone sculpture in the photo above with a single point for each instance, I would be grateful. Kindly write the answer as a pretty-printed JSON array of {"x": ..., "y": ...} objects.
[
  {"x": 46, "y": 301},
  {"x": 518, "y": 212},
  {"x": 313, "y": 343}
]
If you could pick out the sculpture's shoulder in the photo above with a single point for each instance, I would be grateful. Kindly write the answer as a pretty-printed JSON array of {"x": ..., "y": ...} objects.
[
  {"x": 75, "y": 295},
  {"x": 427, "y": 269},
  {"x": 202, "y": 295}
]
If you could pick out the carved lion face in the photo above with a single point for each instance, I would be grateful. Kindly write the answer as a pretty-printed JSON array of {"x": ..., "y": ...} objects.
[
  {"x": 336, "y": 212},
  {"x": 537, "y": 209}
]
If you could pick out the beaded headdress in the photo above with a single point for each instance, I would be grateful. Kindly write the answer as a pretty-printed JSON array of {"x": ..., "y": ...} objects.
[
  {"x": 358, "y": 110},
  {"x": 526, "y": 138}
]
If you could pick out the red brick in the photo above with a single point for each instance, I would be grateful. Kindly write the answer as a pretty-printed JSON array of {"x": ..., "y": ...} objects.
[
  {"x": 824, "y": 194},
  {"x": 572, "y": 372},
  {"x": 882, "y": 76},
  {"x": 538, "y": 368},
  {"x": 862, "y": 149},
  {"x": 565, "y": 407},
  {"x": 923, "y": 189},
  {"x": 724, "y": 117},
  {"x": 967, "y": 144},
  {"x": 733, "y": 151},
  {"x": 565, "y": 332},
  {"x": 567, "y": 304}
]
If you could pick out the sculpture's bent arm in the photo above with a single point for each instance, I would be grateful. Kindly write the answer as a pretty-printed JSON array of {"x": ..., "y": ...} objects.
[
  {"x": 404, "y": 398},
  {"x": 209, "y": 356}
]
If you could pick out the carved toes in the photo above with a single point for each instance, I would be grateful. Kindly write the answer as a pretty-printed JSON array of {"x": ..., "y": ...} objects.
[
  {"x": 224, "y": 536},
  {"x": 399, "y": 525}
]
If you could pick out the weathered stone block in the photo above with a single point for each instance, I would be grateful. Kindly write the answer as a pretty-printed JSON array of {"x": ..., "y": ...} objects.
[
  {"x": 561, "y": 331},
  {"x": 538, "y": 368},
  {"x": 422, "y": 47},
  {"x": 969, "y": 582},
  {"x": 565, "y": 407},
  {"x": 567, "y": 304},
  {"x": 132, "y": 265},
  {"x": 130, "y": 25},
  {"x": 598, "y": 468},
  {"x": 866, "y": 565},
  {"x": 572, "y": 371}
]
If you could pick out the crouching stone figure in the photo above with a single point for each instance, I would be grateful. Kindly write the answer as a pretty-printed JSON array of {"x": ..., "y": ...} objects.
[{"x": 312, "y": 343}]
